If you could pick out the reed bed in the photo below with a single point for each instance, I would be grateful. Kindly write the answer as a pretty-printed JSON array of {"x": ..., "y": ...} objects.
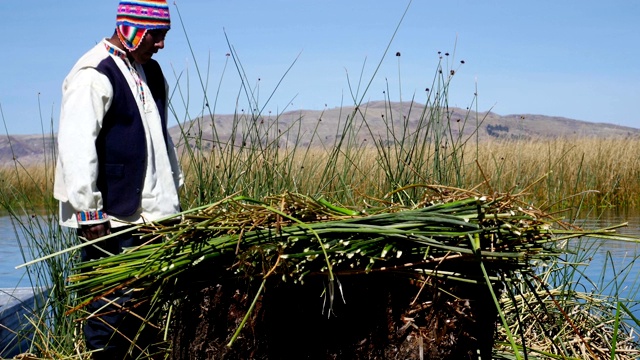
[
  {"x": 25, "y": 184},
  {"x": 454, "y": 235},
  {"x": 606, "y": 172},
  {"x": 26, "y": 198},
  {"x": 568, "y": 325},
  {"x": 556, "y": 173}
]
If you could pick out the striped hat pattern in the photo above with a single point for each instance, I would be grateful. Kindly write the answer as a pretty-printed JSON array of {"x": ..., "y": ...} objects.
[{"x": 134, "y": 18}]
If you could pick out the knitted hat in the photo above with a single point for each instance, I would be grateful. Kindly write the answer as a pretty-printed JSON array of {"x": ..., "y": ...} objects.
[{"x": 135, "y": 17}]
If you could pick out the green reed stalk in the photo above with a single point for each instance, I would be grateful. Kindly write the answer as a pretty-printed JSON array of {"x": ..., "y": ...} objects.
[{"x": 35, "y": 220}]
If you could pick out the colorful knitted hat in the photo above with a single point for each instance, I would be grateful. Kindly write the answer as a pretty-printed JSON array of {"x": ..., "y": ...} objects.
[{"x": 137, "y": 16}]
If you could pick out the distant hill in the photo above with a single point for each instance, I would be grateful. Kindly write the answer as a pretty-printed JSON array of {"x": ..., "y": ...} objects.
[
  {"x": 323, "y": 126},
  {"x": 27, "y": 149}
]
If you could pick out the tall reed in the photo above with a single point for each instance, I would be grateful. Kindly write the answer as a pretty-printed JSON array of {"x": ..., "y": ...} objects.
[
  {"x": 602, "y": 172},
  {"x": 27, "y": 199},
  {"x": 555, "y": 173}
]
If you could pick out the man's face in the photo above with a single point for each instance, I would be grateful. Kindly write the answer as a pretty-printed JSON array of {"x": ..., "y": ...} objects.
[{"x": 152, "y": 41}]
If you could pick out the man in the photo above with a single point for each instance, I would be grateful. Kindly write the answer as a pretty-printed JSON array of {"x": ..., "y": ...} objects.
[{"x": 117, "y": 165}]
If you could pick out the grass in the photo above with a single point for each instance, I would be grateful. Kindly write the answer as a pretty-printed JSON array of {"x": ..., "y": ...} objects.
[
  {"x": 25, "y": 184},
  {"x": 605, "y": 166},
  {"x": 264, "y": 155},
  {"x": 604, "y": 172},
  {"x": 26, "y": 197},
  {"x": 574, "y": 311}
]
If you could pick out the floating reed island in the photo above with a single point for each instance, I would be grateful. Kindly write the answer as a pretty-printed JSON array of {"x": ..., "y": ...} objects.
[{"x": 293, "y": 276}]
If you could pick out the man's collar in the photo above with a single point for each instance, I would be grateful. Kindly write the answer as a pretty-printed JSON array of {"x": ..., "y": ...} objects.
[{"x": 115, "y": 51}]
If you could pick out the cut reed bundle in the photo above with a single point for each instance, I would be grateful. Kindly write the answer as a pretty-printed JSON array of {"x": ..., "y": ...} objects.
[
  {"x": 456, "y": 236},
  {"x": 294, "y": 235}
]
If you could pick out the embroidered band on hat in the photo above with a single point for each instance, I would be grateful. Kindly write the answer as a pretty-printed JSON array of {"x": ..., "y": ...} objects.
[{"x": 134, "y": 18}]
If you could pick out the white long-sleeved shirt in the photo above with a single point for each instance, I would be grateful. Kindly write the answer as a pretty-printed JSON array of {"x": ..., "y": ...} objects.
[{"x": 86, "y": 98}]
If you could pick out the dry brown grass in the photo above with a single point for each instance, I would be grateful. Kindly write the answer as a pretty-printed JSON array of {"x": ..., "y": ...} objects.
[
  {"x": 30, "y": 185},
  {"x": 611, "y": 167},
  {"x": 603, "y": 172}
]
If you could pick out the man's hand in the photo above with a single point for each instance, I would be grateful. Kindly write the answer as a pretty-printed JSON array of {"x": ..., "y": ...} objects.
[{"x": 94, "y": 231}]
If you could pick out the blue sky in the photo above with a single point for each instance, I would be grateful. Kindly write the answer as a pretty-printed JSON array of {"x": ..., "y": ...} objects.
[{"x": 577, "y": 59}]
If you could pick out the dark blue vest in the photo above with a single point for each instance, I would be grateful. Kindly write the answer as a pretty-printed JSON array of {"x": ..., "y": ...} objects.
[{"x": 121, "y": 143}]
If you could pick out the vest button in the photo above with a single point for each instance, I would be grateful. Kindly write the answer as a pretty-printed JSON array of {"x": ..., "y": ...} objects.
[{"x": 137, "y": 191}]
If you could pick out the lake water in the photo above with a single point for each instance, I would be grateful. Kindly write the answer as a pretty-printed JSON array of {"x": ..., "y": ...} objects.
[
  {"x": 613, "y": 259},
  {"x": 10, "y": 257},
  {"x": 607, "y": 254}
]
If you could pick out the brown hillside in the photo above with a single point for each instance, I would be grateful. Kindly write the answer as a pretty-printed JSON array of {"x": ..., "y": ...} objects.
[{"x": 322, "y": 127}]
